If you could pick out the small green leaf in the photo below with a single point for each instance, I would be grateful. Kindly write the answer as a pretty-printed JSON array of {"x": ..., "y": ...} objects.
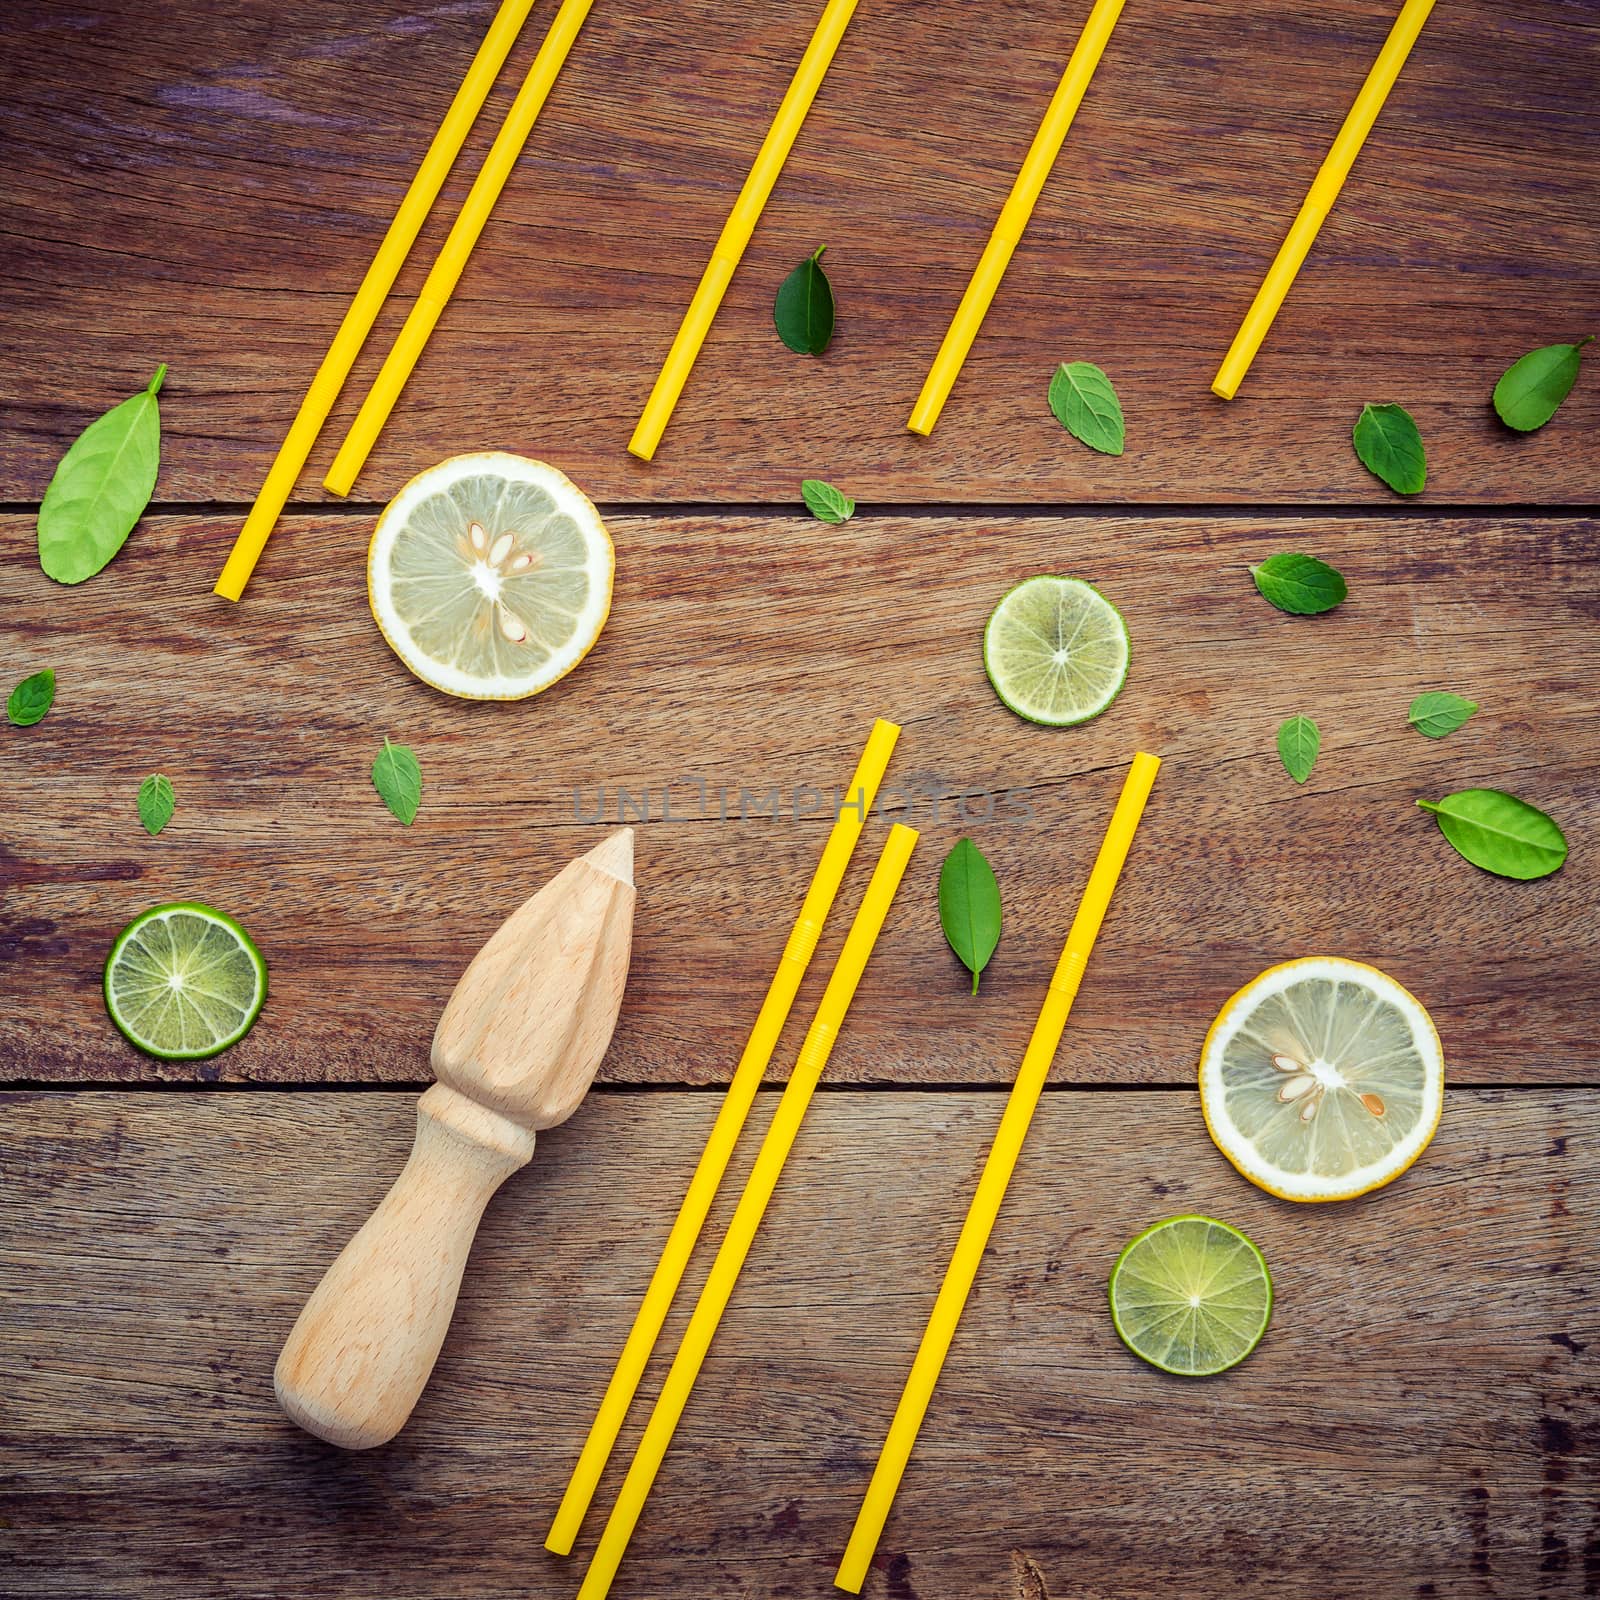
[
  {"x": 1299, "y": 740},
  {"x": 1086, "y": 405},
  {"x": 1530, "y": 390},
  {"x": 31, "y": 698},
  {"x": 1298, "y": 584},
  {"x": 803, "y": 311},
  {"x": 397, "y": 776},
  {"x": 1390, "y": 447},
  {"x": 1500, "y": 833},
  {"x": 969, "y": 907},
  {"x": 1439, "y": 713},
  {"x": 156, "y": 802},
  {"x": 825, "y": 502},
  {"x": 101, "y": 487}
]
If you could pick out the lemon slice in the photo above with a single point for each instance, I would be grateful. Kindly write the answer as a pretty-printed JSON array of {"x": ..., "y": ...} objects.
[
  {"x": 490, "y": 576},
  {"x": 1056, "y": 651},
  {"x": 1322, "y": 1079}
]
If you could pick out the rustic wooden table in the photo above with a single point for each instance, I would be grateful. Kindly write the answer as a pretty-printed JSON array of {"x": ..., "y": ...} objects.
[{"x": 201, "y": 184}]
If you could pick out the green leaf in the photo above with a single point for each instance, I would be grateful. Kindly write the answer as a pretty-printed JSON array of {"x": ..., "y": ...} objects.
[
  {"x": 969, "y": 907},
  {"x": 1086, "y": 405},
  {"x": 1390, "y": 448},
  {"x": 803, "y": 311},
  {"x": 1530, "y": 390},
  {"x": 31, "y": 698},
  {"x": 1439, "y": 713},
  {"x": 1298, "y": 584},
  {"x": 156, "y": 802},
  {"x": 397, "y": 776},
  {"x": 1500, "y": 833},
  {"x": 101, "y": 487},
  {"x": 825, "y": 502},
  {"x": 1299, "y": 740}
]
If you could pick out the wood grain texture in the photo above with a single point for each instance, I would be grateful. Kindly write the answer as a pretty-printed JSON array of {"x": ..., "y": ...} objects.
[
  {"x": 202, "y": 184},
  {"x": 752, "y": 654},
  {"x": 1421, "y": 1419}
]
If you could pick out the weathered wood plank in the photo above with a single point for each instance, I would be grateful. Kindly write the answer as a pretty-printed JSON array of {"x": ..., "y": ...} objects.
[
  {"x": 752, "y": 654},
  {"x": 1421, "y": 1418},
  {"x": 200, "y": 184}
]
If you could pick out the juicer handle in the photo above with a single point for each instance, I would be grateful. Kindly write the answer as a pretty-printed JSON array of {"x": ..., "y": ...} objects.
[{"x": 360, "y": 1354}]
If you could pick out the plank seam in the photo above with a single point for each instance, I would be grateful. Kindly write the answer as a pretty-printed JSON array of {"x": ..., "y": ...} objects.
[
  {"x": 33, "y": 1087},
  {"x": 1300, "y": 510}
]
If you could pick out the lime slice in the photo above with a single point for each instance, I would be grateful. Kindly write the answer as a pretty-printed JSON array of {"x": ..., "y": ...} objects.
[
  {"x": 490, "y": 576},
  {"x": 1056, "y": 651},
  {"x": 184, "y": 981},
  {"x": 1191, "y": 1295},
  {"x": 1322, "y": 1079}
]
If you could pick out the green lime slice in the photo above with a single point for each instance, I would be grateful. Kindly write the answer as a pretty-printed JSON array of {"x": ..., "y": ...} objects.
[
  {"x": 1191, "y": 1295},
  {"x": 184, "y": 981},
  {"x": 1056, "y": 651}
]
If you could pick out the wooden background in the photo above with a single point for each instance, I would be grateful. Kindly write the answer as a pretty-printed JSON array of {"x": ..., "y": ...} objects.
[{"x": 202, "y": 184}]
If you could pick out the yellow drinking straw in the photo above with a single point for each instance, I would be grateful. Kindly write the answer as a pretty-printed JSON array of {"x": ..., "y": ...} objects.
[
  {"x": 325, "y": 386},
  {"x": 797, "y": 953},
  {"x": 1319, "y": 200},
  {"x": 1014, "y": 216},
  {"x": 737, "y": 229},
  {"x": 452, "y": 260},
  {"x": 991, "y": 1188},
  {"x": 758, "y": 1189}
]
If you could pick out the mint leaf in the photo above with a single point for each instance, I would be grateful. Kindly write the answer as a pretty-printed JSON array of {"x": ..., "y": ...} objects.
[
  {"x": 825, "y": 502},
  {"x": 1439, "y": 713},
  {"x": 1300, "y": 585},
  {"x": 1390, "y": 447},
  {"x": 156, "y": 803},
  {"x": 397, "y": 776},
  {"x": 31, "y": 698},
  {"x": 1299, "y": 740},
  {"x": 1086, "y": 405}
]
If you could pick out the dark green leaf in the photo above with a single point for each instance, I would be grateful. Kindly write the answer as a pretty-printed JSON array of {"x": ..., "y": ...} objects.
[
  {"x": 1390, "y": 448},
  {"x": 803, "y": 311},
  {"x": 156, "y": 802},
  {"x": 1500, "y": 833},
  {"x": 1299, "y": 584},
  {"x": 1299, "y": 740},
  {"x": 1086, "y": 405},
  {"x": 825, "y": 502},
  {"x": 1438, "y": 713},
  {"x": 101, "y": 487},
  {"x": 397, "y": 776},
  {"x": 31, "y": 698},
  {"x": 969, "y": 907},
  {"x": 1529, "y": 390}
]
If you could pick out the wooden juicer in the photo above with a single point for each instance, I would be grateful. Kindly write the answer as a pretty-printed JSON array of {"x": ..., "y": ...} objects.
[{"x": 515, "y": 1051}]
